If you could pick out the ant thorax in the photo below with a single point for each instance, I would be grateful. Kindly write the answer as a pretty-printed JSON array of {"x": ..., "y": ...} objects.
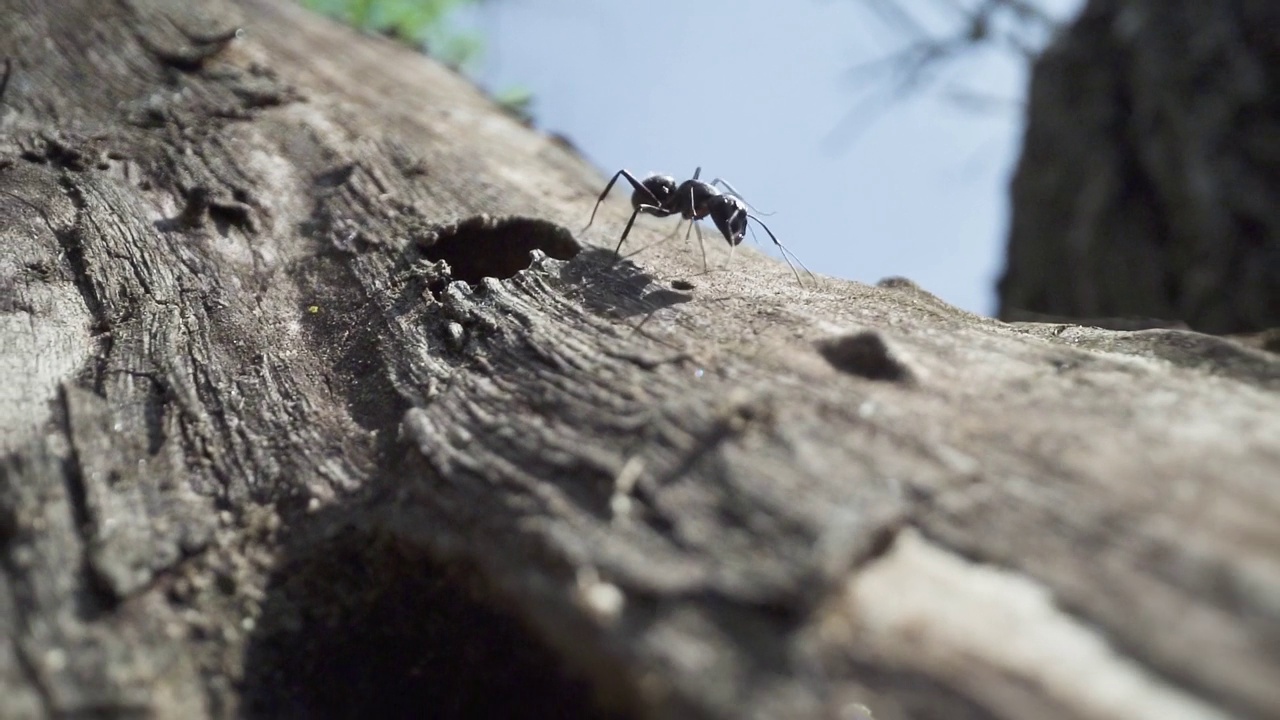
[{"x": 694, "y": 199}]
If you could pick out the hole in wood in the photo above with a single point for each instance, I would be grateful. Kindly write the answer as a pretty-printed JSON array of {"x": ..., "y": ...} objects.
[
  {"x": 361, "y": 625},
  {"x": 485, "y": 246},
  {"x": 865, "y": 354}
]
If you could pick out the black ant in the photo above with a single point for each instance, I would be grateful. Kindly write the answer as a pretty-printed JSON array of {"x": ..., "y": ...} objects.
[{"x": 658, "y": 195}]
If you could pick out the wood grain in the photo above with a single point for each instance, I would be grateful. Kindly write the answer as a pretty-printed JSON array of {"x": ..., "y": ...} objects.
[{"x": 265, "y": 454}]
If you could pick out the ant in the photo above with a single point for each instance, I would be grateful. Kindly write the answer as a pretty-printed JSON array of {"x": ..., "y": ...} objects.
[{"x": 693, "y": 200}]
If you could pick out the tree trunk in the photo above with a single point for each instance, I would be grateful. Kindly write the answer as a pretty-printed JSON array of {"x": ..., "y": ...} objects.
[
  {"x": 314, "y": 408},
  {"x": 1149, "y": 183}
]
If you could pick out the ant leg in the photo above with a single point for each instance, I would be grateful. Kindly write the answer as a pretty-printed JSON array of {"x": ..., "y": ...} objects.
[
  {"x": 734, "y": 192},
  {"x": 693, "y": 225},
  {"x": 617, "y": 251},
  {"x": 725, "y": 184},
  {"x": 668, "y": 238},
  {"x": 634, "y": 183},
  {"x": 702, "y": 245}
]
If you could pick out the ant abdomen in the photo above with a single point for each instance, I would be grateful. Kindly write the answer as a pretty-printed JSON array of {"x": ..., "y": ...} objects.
[{"x": 655, "y": 187}]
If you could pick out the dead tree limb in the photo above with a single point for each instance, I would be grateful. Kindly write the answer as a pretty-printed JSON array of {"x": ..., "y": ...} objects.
[{"x": 292, "y": 426}]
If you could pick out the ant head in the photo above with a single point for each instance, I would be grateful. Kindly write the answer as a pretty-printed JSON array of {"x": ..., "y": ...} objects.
[
  {"x": 730, "y": 216},
  {"x": 661, "y": 187}
]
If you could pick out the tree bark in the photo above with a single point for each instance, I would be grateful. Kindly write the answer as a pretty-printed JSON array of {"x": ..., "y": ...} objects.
[
  {"x": 314, "y": 408},
  {"x": 1149, "y": 183}
]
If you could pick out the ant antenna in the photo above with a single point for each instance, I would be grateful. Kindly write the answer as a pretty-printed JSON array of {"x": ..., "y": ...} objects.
[
  {"x": 732, "y": 191},
  {"x": 785, "y": 253}
]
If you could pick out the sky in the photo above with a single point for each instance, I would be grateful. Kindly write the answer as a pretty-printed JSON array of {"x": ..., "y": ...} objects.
[{"x": 860, "y": 187}]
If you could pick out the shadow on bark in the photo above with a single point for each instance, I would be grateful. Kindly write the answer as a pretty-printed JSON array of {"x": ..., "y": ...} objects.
[
  {"x": 359, "y": 624},
  {"x": 358, "y": 621},
  {"x": 617, "y": 287}
]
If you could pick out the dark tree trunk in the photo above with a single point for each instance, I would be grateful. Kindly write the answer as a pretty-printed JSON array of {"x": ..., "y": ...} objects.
[
  {"x": 262, "y": 455},
  {"x": 1149, "y": 183}
]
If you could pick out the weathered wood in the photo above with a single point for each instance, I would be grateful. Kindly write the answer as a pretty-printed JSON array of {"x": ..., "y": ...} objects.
[{"x": 264, "y": 456}]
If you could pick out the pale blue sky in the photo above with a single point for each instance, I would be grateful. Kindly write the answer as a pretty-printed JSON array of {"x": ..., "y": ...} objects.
[{"x": 753, "y": 93}]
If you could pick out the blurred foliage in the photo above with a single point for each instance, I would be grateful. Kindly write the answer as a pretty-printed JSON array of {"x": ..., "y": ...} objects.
[
  {"x": 518, "y": 101},
  {"x": 428, "y": 25},
  {"x": 938, "y": 36},
  {"x": 424, "y": 23},
  {"x": 936, "y": 42}
]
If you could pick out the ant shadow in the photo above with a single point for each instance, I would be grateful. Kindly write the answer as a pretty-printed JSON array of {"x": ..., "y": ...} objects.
[{"x": 615, "y": 286}]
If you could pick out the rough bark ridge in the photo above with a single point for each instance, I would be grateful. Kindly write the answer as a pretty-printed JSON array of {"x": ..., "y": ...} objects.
[
  {"x": 1149, "y": 183},
  {"x": 305, "y": 414}
]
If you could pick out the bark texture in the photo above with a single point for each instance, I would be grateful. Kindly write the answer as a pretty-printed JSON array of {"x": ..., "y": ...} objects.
[
  {"x": 1149, "y": 183},
  {"x": 312, "y": 407}
]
